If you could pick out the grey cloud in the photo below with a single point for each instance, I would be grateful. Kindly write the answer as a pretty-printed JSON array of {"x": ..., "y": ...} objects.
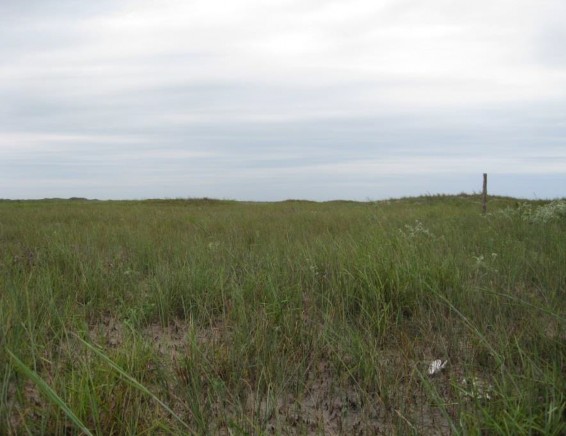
[
  {"x": 364, "y": 108},
  {"x": 550, "y": 46},
  {"x": 24, "y": 11}
]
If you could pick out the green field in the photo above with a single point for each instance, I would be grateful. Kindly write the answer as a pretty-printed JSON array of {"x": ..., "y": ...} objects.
[{"x": 222, "y": 317}]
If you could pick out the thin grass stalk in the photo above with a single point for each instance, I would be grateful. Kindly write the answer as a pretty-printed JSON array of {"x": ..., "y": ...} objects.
[
  {"x": 49, "y": 392},
  {"x": 132, "y": 381}
]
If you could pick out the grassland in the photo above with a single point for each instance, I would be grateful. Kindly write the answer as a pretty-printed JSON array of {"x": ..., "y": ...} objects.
[{"x": 220, "y": 317}]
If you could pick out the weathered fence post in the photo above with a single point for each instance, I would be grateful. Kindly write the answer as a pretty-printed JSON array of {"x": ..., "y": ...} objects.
[{"x": 484, "y": 194}]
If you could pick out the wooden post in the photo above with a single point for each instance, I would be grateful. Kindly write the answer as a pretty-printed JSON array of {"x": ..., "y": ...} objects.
[{"x": 484, "y": 194}]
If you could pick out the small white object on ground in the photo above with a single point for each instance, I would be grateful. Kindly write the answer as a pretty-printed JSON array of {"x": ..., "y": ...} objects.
[{"x": 436, "y": 366}]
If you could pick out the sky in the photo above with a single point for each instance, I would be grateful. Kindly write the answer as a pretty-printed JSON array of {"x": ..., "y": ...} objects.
[{"x": 267, "y": 100}]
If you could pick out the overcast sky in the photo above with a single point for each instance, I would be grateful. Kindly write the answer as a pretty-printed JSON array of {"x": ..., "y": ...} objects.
[{"x": 276, "y": 99}]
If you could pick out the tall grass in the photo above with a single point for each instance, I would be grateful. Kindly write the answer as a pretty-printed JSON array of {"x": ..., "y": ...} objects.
[{"x": 209, "y": 316}]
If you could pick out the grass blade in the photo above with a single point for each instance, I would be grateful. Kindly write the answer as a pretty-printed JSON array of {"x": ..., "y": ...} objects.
[
  {"x": 49, "y": 392},
  {"x": 132, "y": 381}
]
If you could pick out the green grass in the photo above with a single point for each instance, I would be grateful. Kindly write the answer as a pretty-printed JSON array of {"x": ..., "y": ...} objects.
[{"x": 204, "y": 316}]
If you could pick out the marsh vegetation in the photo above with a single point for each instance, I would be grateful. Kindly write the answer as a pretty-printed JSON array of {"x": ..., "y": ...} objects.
[{"x": 202, "y": 316}]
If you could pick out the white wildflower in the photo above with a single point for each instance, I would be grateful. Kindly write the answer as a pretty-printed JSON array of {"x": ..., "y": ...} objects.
[
  {"x": 476, "y": 388},
  {"x": 417, "y": 230}
]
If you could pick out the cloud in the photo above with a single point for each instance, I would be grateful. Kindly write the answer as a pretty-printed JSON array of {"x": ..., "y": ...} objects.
[{"x": 235, "y": 92}]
